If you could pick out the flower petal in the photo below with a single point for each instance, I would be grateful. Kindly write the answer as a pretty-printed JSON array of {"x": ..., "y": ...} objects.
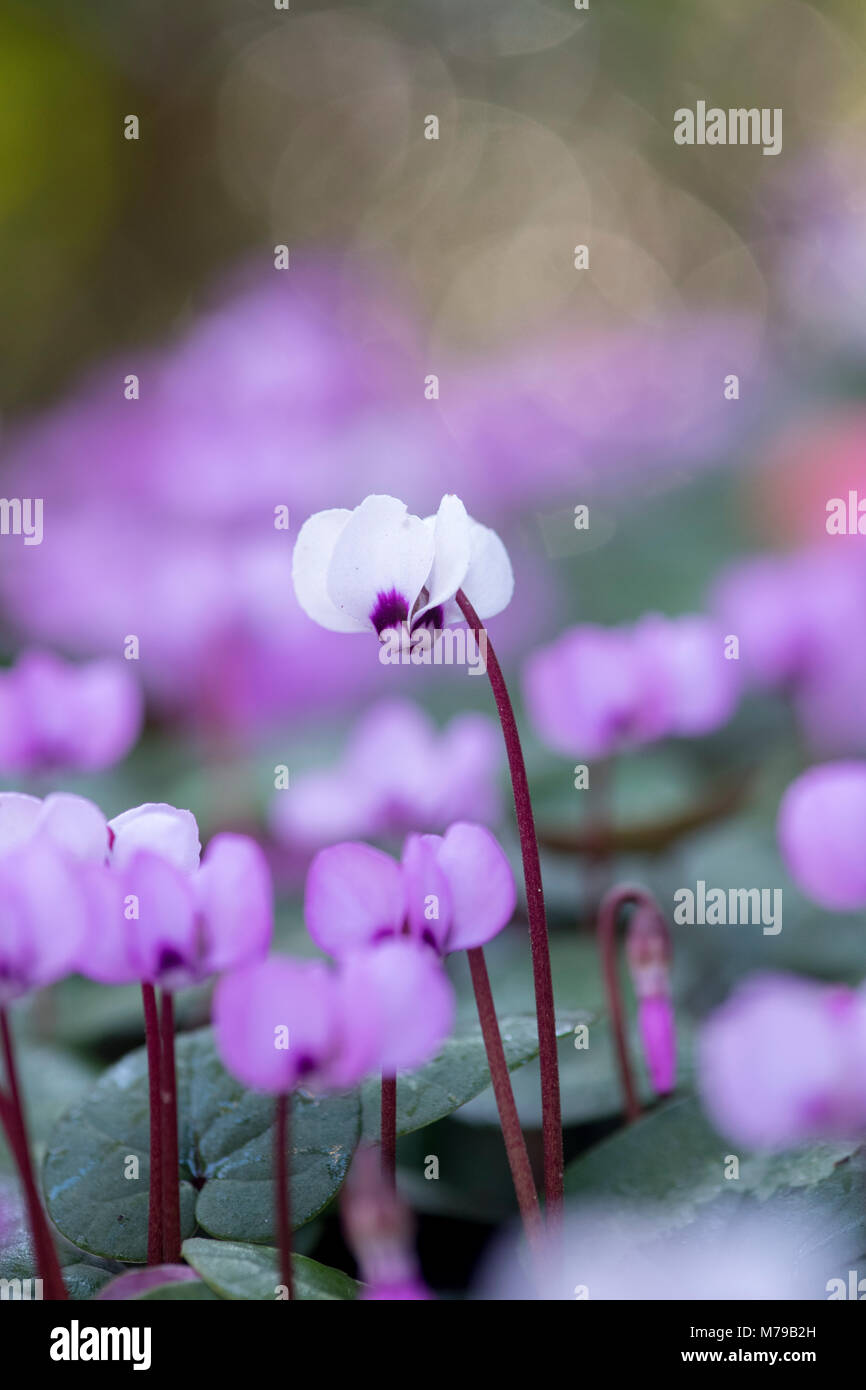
[
  {"x": 428, "y": 892},
  {"x": 19, "y": 816},
  {"x": 165, "y": 938},
  {"x": 380, "y": 563},
  {"x": 311, "y": 560},
  {"x": 109, "y": 711},
  {"x": 111, "y": 955},
  {"x": 76, "y": 825},
  {"x": 43, "y": 918},
  {"x": 398, "y": 1006},
  {"x": 489, "y": 579},
  {"x": 821, "y": 833},
  {"x": 658, "y": 1036},
  {"x": 234, "y": 894},
  {"x": 451, "y": 529},
  {"x": 354, "y": 895},
  {"x": 167, "y": 831},
  {"x": 483, "y": 891},
  {"x": 261, "y": 1007}
]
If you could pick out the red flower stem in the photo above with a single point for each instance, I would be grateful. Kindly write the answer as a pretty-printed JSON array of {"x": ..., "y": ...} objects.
[
  {"x": 154, "y": 1067},
  {"x": 282, "y": 1178},
  {"x": 170, "y": 1160},
  {"x": 389, "y": 1129},
  {"x": 515, "y": 1144},
  {"x": 608, "y": 917},
  {"x": 551, "y": 1108},
  {"x": 12, "y": 1111}
]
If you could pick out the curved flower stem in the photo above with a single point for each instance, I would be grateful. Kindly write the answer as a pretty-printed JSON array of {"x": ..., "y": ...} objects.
[
  {"x": 608, "y": 917},
  {"x": 154, "y": 1066},
  {"x": 12, "y": 1112},
  {"x": 170, "y": 1160},
  {"x": 282, "y": 1178},
  {"x": 389, "y": 1129},
  {"x": 551, "y": 1108},
  {"x": 515, "y": 1144}
]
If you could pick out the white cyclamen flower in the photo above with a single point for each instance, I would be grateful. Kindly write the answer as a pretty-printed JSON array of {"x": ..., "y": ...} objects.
[{"x": 379, "y": 566}]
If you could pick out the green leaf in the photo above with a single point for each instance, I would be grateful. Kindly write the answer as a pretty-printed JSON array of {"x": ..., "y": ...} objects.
[
  {"x": 457, "y": 1074},
  {"x": 225, "y": 1145},
  {"x": 50, "y": 1080},
  {"x": 673, "y": 1160},
  {"x": 238, "y": 1271},
  {"x": 226, "y": 1141},
  {"x": 17, "y": 1260}
]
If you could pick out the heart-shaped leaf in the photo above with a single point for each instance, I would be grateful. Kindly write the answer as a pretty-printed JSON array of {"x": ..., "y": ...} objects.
[
  {"x": 674, "y": 1160},
  {"x": 97, "y": 1168},
  {"x": 17, "y": 1260},
  {"x": 99, "y": 1198},
  {"x": 237, "y": 1271},
  {"x": 50, "y": 1080}
]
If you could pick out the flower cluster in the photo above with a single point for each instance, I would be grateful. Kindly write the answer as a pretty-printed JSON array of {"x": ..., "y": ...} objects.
[
  {"x": 801, "y": 624},
  {"x": 398, "y": 772},
  {"x": 123, "y": 900},
  {"x": 596, "y": 690},
  {"x": 58, "y": 717}
]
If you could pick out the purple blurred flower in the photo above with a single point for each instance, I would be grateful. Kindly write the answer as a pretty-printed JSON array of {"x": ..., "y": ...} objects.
[
  {"x": 276, "y": 1023},
  {"x": 185, "y": 926},
  {"x": 822, "y": 833},
  {"x": 44, "y": 908},
  {"x": 55, "y": 716},
  {"x": 164, "y": 830},
  {"x": 398, "y": 772},
  {"x": 139, "y": 1281},
  {"x": 161, "y": 917},
  {"x": 452, "y": 892},
  {"x": 315, "y": 366},
  {"x": 379, "y": 1230},
  {"x": 598, "y": 690},
  {"x": 605, "y": 1252},
  {"x": 600, "y": 409},
  {"x": 377, "y": 567},
  {"x": 397, "y": 1006},
  {"x": 801, "y": 624},
  {"x": 657, "y": 1026},
  {"x": 397, "y": 1291},
  {"x": 783, "y": 1062},
  {"x": 648, "y": 952},
  {"x": 281, "y": 1022}
]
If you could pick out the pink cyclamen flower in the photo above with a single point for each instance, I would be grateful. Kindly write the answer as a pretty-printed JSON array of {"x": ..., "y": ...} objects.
[
  {"x": 164, "y": 917},
  {"x": 648, "y": 951},
  {"x": 44, "y": 908},
  {"x": 380, "y": 1230},
  {"x": 801, "y": 624},
  {"x": 378, "y": 567},
  {"x": 452, "y": 892},
  {"x": 398, "y": 771},
  {"x": 281, "y": 1022},
  {"x": 822, "y": 834},
  {"x": 783, "y": 1062},
  {"x": 598, "y": 690},
  {"x": 54, "y": 715}
]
